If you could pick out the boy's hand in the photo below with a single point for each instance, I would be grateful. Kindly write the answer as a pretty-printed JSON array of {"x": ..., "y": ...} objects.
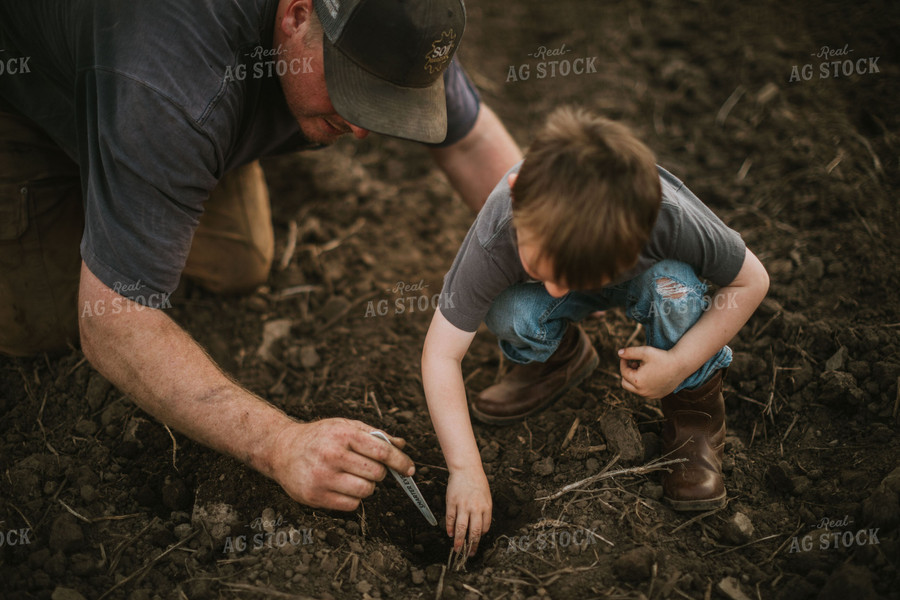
[
  {"x": 469, "y": 507},
  {"x": 649, "y": 372}
]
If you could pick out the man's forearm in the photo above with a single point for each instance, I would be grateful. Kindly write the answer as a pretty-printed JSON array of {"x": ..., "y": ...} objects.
[{"x": 151, "y": 359}]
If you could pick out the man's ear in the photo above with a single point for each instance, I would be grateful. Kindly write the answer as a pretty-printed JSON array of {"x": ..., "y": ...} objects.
[
  {"x": 297, "y": 12},
  {"x": 512, "y": 179}
]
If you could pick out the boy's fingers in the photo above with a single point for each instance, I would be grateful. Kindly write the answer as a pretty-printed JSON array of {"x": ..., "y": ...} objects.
[
  {"x": 475, "y": 530},
  {"x": 628, "y": 375},
  {"x": 459, "y": 536},
  {"x": 633, "y": 353},
  {"x": 451, "y": 521}
]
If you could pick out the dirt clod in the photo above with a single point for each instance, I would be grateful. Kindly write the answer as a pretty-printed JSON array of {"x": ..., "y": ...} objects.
[
  {"x": 622, "y": 435},
  {"x": 65, "y": 533},
  {"x": 636, "y": 564}
]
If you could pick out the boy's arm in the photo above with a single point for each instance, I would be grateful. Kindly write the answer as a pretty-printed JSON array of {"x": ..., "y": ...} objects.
[
  {"x": 661, "y": 371},
  {"x": 468, "y": 494}
]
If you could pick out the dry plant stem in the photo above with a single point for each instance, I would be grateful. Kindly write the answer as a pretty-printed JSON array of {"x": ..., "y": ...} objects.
[
  {"x": 763, "y": 539},
  {"x": 117, "y": 553},
  {"x": 174, "y": 446},
  {"x": 440, "y": 586},
  {"x": 641, "y": 470},
  {"x": 266, "y": 592},
  {"x": 290, "y": 247},
  {"x": 571, "y": 433},
  {"x": 326, "y": 326},
  {"x": 785, "y": 543},
  {"x": 474, "y": 590},
  {"x": 374, "y": 572},
  {"x": 897, "y": 399},
  {"x": 633, "y": 335},
  {"x": 75, "y": 513},
  {"x": 693, "y": 520},
  {"x": 143, "y": 570}
]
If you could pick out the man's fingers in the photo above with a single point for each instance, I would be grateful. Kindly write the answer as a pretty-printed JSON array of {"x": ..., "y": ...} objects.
[
  {"x": 353, "y": 486},
  {"x": 364, "y": 467},
  {"x": 376, "y": 449}
]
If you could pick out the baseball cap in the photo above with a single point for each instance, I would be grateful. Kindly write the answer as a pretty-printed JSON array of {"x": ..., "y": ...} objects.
[{"x": 385, "y": 59}]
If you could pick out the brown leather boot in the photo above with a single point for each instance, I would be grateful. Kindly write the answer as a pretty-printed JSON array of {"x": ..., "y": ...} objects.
[
  {"x": 695, "y": 430},
  {"x": 528, "y": 389}
]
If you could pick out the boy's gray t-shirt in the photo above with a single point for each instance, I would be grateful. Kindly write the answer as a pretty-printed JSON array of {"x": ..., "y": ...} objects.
[{"x": 488, "y": 260}]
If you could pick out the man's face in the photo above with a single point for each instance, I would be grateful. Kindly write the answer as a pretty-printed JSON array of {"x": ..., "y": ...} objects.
[{"x": 306, "y": 92}]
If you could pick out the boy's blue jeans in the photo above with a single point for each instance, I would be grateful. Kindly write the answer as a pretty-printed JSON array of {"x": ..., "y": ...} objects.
[{"x": 667, "y": 299}]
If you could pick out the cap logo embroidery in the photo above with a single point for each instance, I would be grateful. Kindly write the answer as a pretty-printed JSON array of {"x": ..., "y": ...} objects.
[
  {"x": 441, "y": 49},
  {"x": 333, "y": 7}
]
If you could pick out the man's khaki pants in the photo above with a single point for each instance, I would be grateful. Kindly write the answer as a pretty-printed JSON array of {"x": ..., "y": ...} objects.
[{"x": 42, "y": 221}]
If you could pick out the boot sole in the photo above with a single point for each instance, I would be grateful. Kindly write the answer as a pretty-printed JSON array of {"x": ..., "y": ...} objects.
[
  {"x": 577, "y": 379},
  {"x": 697, "y": 505}
]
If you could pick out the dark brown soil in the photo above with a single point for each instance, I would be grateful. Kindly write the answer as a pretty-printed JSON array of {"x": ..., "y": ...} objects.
[{"x": 807, "y": 171}]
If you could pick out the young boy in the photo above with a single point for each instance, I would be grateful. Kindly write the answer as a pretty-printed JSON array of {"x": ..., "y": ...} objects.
[{"x": 587, "y": 222}]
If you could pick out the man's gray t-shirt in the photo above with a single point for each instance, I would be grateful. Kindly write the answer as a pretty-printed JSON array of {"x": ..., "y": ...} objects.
[
  {"x": 156, "y": 100},
  {"x": 488, "y": 260}
]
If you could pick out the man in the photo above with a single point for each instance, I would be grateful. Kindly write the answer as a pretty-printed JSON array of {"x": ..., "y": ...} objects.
[{"x": 137, "y": 111}]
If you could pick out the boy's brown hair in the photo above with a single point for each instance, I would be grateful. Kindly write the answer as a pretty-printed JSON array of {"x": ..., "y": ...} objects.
[{"x": 587, "y": 194}]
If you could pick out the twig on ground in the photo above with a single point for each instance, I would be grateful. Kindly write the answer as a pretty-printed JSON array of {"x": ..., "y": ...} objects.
[
  {"x": 117, "y": 553},
  {"x": 790, "y": 427},
  {"x": 897, "y": 399},
  {"x": 75, "y": 513},
  {"x": 633, "y": 335},
  {"x": 266, "y": 592},
  {"x": 296, "y": 290},
  {"x": 343, "y": 564},
  {"x": 785, "y": 543},
  {"x": 654, "y": 465},
  {"x": 474, "y": 590},
  {"x": 327, "y": 325},
  {"x": 570, "y": 434},
  {"x": 27, "y": 522},
  {"x": 318, "y": 251},
  {"x": 440, "y": 586},
  {"x": 768, "y": 537},
  {"x": 40, "y": 423},
  {"x": 174, "y": 446},
  {"x": 471, "y": 375},
  {"x": 693, "y": 520},
  {"x": 375, "y": 402},
  {"x": 143, "y": 570},
  {"x": 729, "y": 104},
  {"x": 290, "y": 247},
  {"x": 585, "y": 450}
]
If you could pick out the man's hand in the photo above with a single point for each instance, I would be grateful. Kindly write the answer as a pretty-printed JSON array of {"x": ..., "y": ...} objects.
[
  {"x": 334, "y": 463},
  {"x": 649, "y": 372},
  {"x": 469, "y": 507}
]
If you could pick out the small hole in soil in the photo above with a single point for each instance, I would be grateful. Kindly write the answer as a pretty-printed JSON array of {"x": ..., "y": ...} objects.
[{"x": 393, "y": 519}]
